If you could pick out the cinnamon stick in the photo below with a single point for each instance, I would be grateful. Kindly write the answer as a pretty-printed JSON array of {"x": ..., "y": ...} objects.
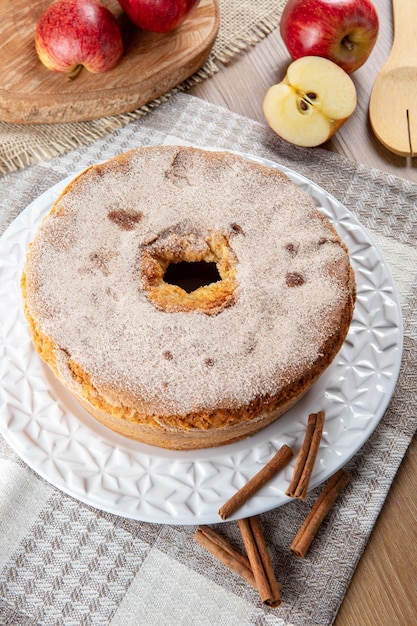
[
  {"x": 278, "y": 461},
  {"x": 306, "y": 458},
  {"x": 260, "y": 561},
  {"x": 223, "y": 550},
  {"x": 321, "y": 507}
]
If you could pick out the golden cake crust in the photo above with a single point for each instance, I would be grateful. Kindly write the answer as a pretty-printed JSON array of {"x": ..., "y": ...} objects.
[{"x": 176, "y": 369}]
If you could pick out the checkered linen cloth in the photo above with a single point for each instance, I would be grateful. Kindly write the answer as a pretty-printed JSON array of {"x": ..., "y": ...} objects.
[{"x": 65, "y": 563}]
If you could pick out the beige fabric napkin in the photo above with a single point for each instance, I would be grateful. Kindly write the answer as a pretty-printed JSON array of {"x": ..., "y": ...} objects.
[
  {"x": 65, "y": 563},
  {"x": 242, "y": 23}
]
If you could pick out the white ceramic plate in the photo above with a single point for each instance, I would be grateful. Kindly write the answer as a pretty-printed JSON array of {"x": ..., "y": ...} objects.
[{"x": 68, "y": 448}]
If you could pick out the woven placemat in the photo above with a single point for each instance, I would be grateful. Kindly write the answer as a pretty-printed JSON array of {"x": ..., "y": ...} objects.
[
  {"x": 243, "y": 23},
  {"x": 65, "y": 563}
]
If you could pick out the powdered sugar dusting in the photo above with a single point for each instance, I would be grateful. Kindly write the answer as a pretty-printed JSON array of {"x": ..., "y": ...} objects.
[{"x": 84, "y": 279}]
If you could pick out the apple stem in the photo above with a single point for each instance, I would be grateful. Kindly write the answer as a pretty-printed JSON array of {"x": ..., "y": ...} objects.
[
  {"x": 346, "y": 42},
  {"x": 74, "y": 73}
]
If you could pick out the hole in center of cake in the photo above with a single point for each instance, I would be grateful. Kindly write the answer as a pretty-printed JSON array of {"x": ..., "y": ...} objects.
[
  {"x": 184, "y": 271},
  {"x": 192, "y": 276}
]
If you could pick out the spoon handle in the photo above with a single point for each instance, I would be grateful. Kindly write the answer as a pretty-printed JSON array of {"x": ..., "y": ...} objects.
[{"x": 404, "y": 48}]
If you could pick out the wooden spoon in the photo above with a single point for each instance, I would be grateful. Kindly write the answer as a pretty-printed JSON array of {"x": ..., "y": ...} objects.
[{"x": 393, "y": 103}]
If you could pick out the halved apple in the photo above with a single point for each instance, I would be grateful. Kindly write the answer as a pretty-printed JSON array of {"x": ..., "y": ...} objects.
[{"x": 311, "y": 103}]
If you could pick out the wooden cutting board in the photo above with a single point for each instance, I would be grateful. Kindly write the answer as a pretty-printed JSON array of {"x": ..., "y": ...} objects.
[{"x": 151, "y": 65}]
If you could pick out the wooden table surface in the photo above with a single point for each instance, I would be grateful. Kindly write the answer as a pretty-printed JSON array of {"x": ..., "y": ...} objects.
[{"x": 383, "y": 591}]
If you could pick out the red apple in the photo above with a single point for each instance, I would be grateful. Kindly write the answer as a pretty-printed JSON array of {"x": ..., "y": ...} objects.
[
  {"x": 75, "y": 33},
  {"x": 344, "y": 31},
  {"x": 311, "y": 103},
  {"x": 158, "y": 16}
]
